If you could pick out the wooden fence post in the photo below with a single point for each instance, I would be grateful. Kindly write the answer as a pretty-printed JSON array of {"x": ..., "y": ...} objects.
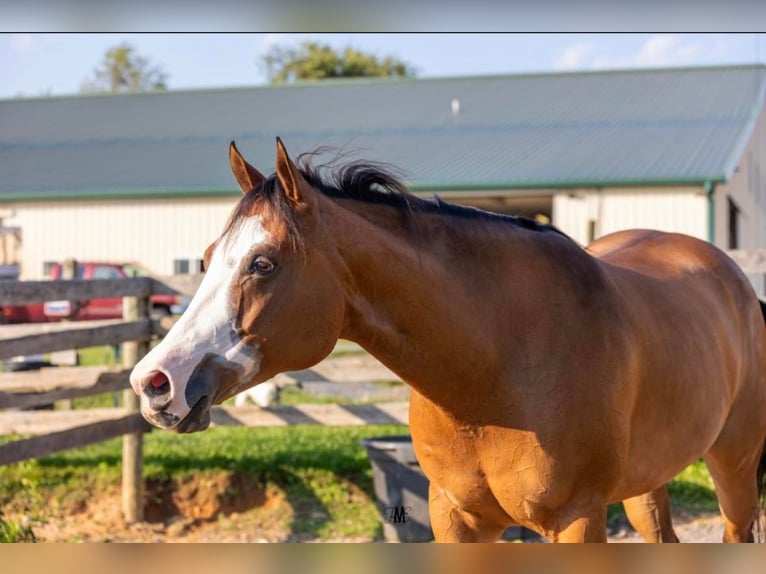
[{"x": 133, "y": 308}]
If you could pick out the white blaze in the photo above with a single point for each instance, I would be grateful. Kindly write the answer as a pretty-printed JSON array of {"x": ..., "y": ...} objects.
[{"x": 208, "y": 325}]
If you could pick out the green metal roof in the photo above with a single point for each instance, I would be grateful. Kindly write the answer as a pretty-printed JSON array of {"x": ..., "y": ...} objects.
[{"x": 520, "y": 131}]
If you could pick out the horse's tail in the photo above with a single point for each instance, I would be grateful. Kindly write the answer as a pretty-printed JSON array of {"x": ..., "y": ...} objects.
[{"x": 760, "y": 522}]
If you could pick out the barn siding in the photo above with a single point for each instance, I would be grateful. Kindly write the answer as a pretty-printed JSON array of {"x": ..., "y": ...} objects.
[
  {"x": 682, "y": 209},
  {"x": 150, "y": 232},
  {"x": 747, "y": 189},
  {"x": 571, "y": 213}
]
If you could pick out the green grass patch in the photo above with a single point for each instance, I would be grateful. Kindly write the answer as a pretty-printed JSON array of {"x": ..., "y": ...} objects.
[
  {"x": 93, "y": 356},
  {"x": 693, "y": 489},
  {"x": 12, "y": 531},
  {"x": 295, "y": 396},
  {"x": 103, "y": 400},
  {"x": 324, "y": 472},
  {"x": 344, "y": 348}
]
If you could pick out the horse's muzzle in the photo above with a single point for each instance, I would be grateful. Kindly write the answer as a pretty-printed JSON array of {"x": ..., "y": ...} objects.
[
  {"x": 198, "y": 418},
  {"x": 172, "y": 405},
  {"x": 156, "y": 397}
]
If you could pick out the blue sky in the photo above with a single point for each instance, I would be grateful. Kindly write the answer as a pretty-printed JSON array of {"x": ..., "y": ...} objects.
[{"x": 57, "y": 64}]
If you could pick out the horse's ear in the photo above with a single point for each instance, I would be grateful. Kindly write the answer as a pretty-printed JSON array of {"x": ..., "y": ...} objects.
[
  {"x": 247, "y": 176},
  {"x": 290, "y": 178}
]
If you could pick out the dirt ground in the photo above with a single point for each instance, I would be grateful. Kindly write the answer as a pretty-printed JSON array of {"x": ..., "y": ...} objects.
[{"x": 194, "y": 512}]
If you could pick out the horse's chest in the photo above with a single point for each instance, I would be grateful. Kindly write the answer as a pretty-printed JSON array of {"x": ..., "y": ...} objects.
[
  {"x": 458, "y": 473},
  {"x": 478, "y": 468},
  {"x": 455, "y": 468}
]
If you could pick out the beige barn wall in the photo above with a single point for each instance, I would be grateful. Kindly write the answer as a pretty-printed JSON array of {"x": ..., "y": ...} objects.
[
  {"x": 678, "y": 209},
  {"x": 747, "y": 189},
  {"x": 148, "y": 232}
]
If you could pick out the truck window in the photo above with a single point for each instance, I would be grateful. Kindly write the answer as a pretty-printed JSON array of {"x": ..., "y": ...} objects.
[
  {"x": 55, "y": 272},
  {"x": 101, "y": 272}
]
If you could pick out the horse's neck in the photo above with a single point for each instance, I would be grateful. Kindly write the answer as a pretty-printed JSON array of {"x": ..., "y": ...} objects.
[{"x": 427, "y": 303}]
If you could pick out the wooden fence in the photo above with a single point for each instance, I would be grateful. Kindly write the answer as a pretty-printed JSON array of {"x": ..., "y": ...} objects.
[
  {"x": 20, "y": 390},
  {"x": 56, "y": 430}
]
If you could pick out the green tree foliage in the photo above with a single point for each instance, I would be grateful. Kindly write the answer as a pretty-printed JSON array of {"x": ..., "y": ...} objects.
[
  {"x": 314, "y": 61},
  {"x": 122, "y": 70}
]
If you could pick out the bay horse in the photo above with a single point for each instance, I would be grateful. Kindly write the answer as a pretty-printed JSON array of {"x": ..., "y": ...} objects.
[{"x": 548, "y": 380}]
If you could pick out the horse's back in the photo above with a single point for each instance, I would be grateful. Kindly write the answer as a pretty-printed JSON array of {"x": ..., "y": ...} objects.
[
  {"x": 657, "y": 253},
  {"x": 687, "y": 271}
]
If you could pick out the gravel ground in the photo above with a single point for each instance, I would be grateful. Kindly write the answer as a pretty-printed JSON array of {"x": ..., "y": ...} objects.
[{"x": 704, "y": 528}]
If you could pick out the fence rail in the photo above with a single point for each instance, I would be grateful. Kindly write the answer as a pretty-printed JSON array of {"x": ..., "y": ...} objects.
[
  {"x": 31, "y": 339},
  {"x": 28, "y": 389},
  {"x": 90, "y": 427},
  {"x": 25, "y": 292},
  {"x": 42, "y": 422}
]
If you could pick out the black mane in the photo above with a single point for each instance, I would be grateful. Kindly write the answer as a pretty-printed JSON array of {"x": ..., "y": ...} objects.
[{"x": 369, "y": 182}]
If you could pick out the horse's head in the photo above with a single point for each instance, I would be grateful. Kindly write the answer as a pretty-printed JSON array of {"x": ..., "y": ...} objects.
[{"x": 268, "y": 303}]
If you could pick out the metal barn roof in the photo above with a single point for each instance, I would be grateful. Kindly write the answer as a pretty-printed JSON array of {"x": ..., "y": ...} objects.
[{"x": 501, "y": 132}]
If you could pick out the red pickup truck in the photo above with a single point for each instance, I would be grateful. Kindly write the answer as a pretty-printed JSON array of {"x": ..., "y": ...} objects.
[{"x": 162, "y": 305}]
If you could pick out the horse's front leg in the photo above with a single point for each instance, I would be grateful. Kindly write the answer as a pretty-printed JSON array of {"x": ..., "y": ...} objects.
[
  {"x": 578, "y": 523},
  {"x": 450, "y": 523}
]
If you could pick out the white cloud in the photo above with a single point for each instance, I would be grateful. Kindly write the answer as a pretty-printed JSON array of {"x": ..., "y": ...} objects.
[
  {"x": 574, "y": 57},
  {"x": 666, "y": 50},
  {"x": 657, "y": 51}
]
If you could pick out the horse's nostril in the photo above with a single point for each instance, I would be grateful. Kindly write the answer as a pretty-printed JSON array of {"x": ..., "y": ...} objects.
[
  {"x": 157, "y": 390},
  {"x": 158, "y": 379}
]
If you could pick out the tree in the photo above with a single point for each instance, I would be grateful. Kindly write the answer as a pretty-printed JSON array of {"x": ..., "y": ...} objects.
[
  {"x": 122, "y": 70},
  {"x": 314, "y": 61}
]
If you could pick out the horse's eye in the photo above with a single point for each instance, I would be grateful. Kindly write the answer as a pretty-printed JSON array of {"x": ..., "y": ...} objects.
[{"x": 261, "y": 265}]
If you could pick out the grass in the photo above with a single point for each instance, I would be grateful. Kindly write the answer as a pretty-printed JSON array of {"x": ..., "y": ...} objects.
[
  {"x": 323, "y": 472},
  {"x": 345, "y": 348},
  {"x": 91, "y": 356},
  {"x": 692, "y": 489},
  {"x": 14, "y": 531},
  {"x": 295, "y": 396}
]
